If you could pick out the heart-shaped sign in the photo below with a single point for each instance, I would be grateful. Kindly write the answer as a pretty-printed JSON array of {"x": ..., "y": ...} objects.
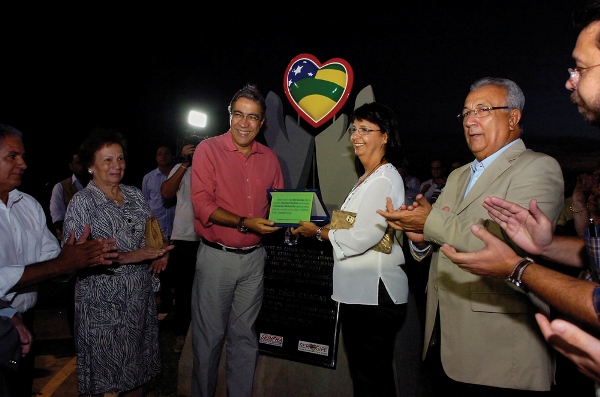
[{"x": 317, "y": 91}]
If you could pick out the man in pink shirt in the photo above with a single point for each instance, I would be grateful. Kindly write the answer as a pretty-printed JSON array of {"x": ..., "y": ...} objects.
[{"x": 230, "y": 177}]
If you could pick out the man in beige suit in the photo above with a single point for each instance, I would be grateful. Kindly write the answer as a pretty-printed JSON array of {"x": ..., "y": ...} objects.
[
  {"x": 576, "y": 297},
  {"x": 482, "y": 330}
]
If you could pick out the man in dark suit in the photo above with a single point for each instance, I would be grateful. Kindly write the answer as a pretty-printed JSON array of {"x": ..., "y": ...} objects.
[{"x": 483, "y": 331}]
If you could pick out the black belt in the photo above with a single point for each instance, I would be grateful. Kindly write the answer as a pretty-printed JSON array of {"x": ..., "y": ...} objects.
[{"x": 221, "y": 247}]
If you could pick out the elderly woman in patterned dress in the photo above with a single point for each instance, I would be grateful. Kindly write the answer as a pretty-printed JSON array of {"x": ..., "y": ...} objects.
[{"x": 116, "y": 323}]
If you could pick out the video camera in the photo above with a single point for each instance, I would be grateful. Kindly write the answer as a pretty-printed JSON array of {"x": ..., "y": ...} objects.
[{"x": 191, "y": 140}]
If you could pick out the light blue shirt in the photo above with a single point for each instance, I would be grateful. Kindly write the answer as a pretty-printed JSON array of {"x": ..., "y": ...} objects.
[
  {"x": 8, "y": 312},
  {"x": 151, "y": 189},
  {"x": 58, "y": 208},
  {"x": 477, "y": 167}
]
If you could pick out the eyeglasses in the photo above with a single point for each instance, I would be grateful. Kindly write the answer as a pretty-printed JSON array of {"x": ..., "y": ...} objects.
[
  {"x": 361, "y": 131},
  {"x": 241, "y": 116},
  {"x": 576, "y": 73},
  {"x": 479, "y": 112}
]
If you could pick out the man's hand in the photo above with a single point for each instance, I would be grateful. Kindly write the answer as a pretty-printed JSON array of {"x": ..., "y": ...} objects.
[
  {"x": 531, "y": 230},
  {"x": 72, "y": 257},
  {"x": 496, "y": 259},
  {"x": 574, "y": 343},
  {"x": 84, "y": 252},
  {"x": 24, "y": 335},
  {"x": 261, "y": 225},
  {"x": 407, "y": 218},
  {"x": 188, "y": 150}
]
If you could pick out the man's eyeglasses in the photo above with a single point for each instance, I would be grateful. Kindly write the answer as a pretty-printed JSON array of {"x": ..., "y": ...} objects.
[
  {"x": 361, "y": 130},
  {"x": 479, "y": 112},
  {"x": 576, "y": 73},
  {"x": 240, "y": 116}
]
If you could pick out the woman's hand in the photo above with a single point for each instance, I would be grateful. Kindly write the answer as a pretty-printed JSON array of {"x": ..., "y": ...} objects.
[
  {"x": 145, "y": 254},
  {"x": 159, "y": 264},
  {"x": 307, "y": 229}
]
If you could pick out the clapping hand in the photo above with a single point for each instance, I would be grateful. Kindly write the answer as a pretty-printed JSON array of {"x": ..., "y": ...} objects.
[
  {"x": 530, "y": 229},
  {"x": 407, "y": 218},
  {"x": 495, "y": 259}
]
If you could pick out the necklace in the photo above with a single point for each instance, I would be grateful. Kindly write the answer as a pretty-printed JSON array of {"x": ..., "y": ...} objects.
[
  {"x": 365, "y": 177},
  {"x": 114, "y": 200}
]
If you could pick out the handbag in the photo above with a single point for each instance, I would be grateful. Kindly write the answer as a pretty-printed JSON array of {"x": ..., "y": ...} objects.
[
  {"x": 153, "y": 234},
  {"x": 345, "y": 220}
]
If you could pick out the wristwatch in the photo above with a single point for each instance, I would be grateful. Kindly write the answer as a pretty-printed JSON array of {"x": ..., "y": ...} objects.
[
  {"x": 319, "y": 230},
  {"x": 240, "y": 227},
  {"x": 517, "y": 273}
]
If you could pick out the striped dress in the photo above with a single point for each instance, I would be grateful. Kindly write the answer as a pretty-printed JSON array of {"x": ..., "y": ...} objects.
[{"x": 116, "y": 324}]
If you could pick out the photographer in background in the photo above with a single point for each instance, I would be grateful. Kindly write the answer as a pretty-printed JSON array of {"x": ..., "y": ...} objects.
[{"x": 185, "y": 240}]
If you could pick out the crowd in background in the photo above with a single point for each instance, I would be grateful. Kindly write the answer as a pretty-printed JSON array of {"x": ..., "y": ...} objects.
[{"x": 492, "y": 232}]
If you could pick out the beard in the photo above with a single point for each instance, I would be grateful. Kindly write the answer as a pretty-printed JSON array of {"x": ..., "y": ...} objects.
[{"x": 591, "y": 115}]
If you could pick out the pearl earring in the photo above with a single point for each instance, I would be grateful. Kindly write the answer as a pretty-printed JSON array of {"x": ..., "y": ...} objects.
[{"x": 90, "y": 171}]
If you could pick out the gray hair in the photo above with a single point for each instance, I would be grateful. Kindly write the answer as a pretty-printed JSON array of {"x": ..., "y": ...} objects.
[{"x": 514, "y": 98}]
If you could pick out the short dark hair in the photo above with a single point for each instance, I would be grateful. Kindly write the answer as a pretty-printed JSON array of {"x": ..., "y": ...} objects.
[
  {"x": 167, "y": 145},
  {"x": 251, "y": 92},
  {"x": 385, "y": 118},
  {"x": 96, "y": 140}
]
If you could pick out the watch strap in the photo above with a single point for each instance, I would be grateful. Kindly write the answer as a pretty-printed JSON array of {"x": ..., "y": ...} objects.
[
  {"x": 319, "y": 230},
  {"x": 517, "y": 273},
  {"x": 241, "y": 226}
]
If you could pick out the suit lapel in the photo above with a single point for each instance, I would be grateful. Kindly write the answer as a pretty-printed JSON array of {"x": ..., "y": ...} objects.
[{"x": 491, "y": 173}]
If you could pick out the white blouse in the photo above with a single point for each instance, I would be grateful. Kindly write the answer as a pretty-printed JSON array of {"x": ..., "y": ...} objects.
[{"x": 356, "y": 267}]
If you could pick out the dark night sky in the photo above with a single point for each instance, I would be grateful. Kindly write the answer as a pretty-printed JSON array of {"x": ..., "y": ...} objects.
[{"x": 143, "y": 73}]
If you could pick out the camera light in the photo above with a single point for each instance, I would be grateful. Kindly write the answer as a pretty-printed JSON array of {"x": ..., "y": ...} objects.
[{"x": 197, "y": 119}]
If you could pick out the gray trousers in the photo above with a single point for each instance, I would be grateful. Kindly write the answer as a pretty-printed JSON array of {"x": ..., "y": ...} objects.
[{"x": 226, "y": 299}]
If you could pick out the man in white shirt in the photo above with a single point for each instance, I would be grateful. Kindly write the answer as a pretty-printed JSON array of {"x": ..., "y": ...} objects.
[
  {"x": 432, "y": 188},
  {"x": 29, "y": 253},
  {"x": 186, "y": 243}
]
